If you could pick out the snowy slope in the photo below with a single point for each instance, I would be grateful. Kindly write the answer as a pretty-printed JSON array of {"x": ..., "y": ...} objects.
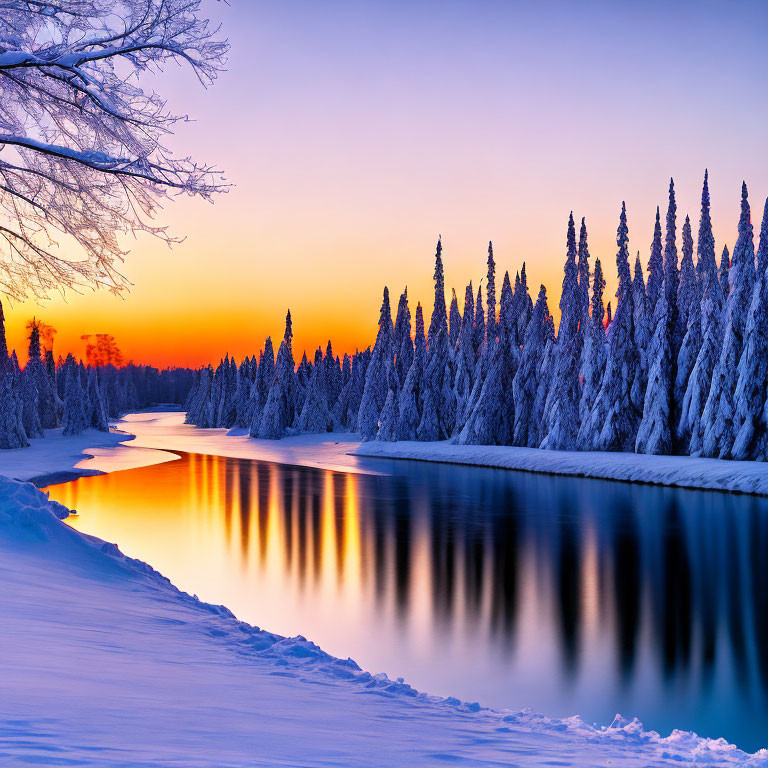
[
  {"x": 104, "y": 663},
  {"x": 682, "y": 471}
]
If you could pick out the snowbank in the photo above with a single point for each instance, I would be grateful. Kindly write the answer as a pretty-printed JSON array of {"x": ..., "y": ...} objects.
[
  {"x": 682, "y": 471},
  {"x": 56, "y": 458},
  {"x": 105, "y": 663}
]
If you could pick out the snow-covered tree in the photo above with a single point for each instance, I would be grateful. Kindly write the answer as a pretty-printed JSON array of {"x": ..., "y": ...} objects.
[
  {"x": 642, "y": 324},
  {"x": 523, "y": 305},
  {"x": 725, "y": 268},
  {"x": 612, "y": 423},
  {"x": 454, "y": 320},
  {"x": 345, "y": 412},
  {"x": 377, "y": 375},
  {"x": 265, "y": 375},
  {"x": 490, "y": 294},
  {"x": 749, "y": 428},
  {"x": 656, "y": 430},
  {"x": 281, "y": 406},
  {"x": 84, "y": 144},
  {"x": 439, "y": 321},
  {"x": 479, "y": 336},
  {"x": 527, "y": 423},
  {"x": 717, "y": 419},
  {"x": 594, "y": 352},
  {"x": 403, "y": 344},
  {"x": 314, "y": 416},
  {"x": 655, "y": 267},
  {"x": 94, "y": 397},
  {"x": 409, "y": 405},
  {"x": 561, "y": 411},
  {"x": 584, "y": 275},
  {"x": 464, "y": 358},
  {"x": 491, "y": 420},
  {"x": 76, "y": 416},
  {"x": 389, "y": 421},
  {"x": 35, "y": 370},
  {"x": 706, "y": 260}
]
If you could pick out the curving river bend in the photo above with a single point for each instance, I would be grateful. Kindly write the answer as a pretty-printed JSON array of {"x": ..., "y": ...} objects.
[{"x": 567, "y": 595}]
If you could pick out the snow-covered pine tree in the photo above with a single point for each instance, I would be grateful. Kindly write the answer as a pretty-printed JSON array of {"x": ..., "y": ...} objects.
[
  {"x": 491, "y": 420},
  {"x": 314, "y": 416},
  {"x": 700, "y": 380},
  {"x": 12, "y": 433},
  {"x": 561, "y": 410},
  {"x": 717, "y": 419},
  {"x": 30, "y": 412},
  {"x": 243, "y": 394},
  {"x": 265, "y": 375},
  {"x": 706, "y": 262},
  {"x": 403, "y": 344},
  {"x": 409, "y": 406},
  {"x": 390, "y": 413},
  {"x": 524, "y": 306},
  {"x": 332, "y": 376},
  {"x": 280, "y": 408},
  {"x": 490, "y": 295},
  {"x": 377, "y": 375},
  {"x": 35, "y": 369},
  {"x": 725, "y": 268},
  {"x": 615, "y": 415},
  {"x": 583, "y": 274},
  {"x": 594, "y": 353},
  {"x": 95, "y": 398},
  {"x": 75, "y": 418},
  {"x": 438, "y": 405},
  {"x": 749, "y": 428},
  {"x": 655, "y": 267},
  {"x": 526, "y": 381},
  {"x": 454, "y": 321},
  {"x": 642, "y": 324},
  {"x": 464, "y": 359},
  {"x": 656, "y": 430},
  {"x": 345, "y": 411},
  {"x": 689, "y": 305},
  {"x": 479, "y": 336}
]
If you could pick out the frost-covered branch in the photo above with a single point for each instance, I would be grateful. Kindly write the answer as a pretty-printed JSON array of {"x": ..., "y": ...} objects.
[{"x": 82, "y": 141}]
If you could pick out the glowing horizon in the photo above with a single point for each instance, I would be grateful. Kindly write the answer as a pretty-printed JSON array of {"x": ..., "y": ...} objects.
[{"x": 354, "y": 134}]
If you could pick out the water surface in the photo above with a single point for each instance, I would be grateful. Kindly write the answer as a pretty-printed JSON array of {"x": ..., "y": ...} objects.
[{"x": 567, "y": 595}]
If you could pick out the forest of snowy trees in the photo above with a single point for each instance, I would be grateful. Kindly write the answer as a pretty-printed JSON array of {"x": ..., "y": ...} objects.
[
  {"x": 680, "y": 367},
  {"x": 47, "y": 394}
]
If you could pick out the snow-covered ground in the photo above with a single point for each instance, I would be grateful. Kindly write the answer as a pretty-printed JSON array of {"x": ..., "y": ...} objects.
[
  {"x": 57, "y": 458},
  {"x": 104, "y": 663},
  {"x": 682, "y": 471}
]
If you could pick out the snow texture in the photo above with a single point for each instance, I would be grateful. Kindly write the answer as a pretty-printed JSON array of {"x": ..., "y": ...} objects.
[{"x": 143, "y": 674}]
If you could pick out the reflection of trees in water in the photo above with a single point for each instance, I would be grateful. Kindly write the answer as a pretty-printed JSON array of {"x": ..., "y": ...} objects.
[{"x": 685, "y": 571}]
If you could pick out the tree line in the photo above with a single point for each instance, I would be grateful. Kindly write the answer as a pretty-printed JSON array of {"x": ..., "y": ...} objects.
[
  {"x": 48, "y": 394},
  {"x": 680, "y": 367}
]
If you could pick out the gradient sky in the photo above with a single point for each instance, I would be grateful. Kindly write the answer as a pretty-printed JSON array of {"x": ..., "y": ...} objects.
[{"x": 355, "y": 132}]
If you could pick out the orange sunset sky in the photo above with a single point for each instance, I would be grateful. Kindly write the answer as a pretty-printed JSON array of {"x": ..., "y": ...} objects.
[{"x": 355, "y": 133}]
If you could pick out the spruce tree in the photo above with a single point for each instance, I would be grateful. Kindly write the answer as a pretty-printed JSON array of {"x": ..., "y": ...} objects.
[
  {"x": 12, "y": 434},
  {"x": 265, "y": 375},
  {"x": 280, "y": 408},
  {"x": 616, "y": 412},
  {"x": 4, "y": 361},
  {"x": 464, "y": 359},
  {"x": 377, "y": 375},
  {"x": 403, "y": 344},
  {"x": 490, "y": 295},
  {"x": 95, "y": 398},
  {"x": 409, "y": 406},
  {"x": 439, "y": 322},
  {"x": 315, "y": 416},
  {"x": 561, "y": 411},
  {"x": 655, "y": 432},
  {"x": 583, "y": 274},
  {"x": 750, "y": 435},
  {"x": 76, "y": 418},
  {"x": 594, "y": 353},
  {"x": 389, "y": 420},
  {"x": 525, "y": 384},
  {"x": 718, "y": 416},
  {"x": 479, "y": 336},
  {"x": 706, "y": 263},
  {"x": 454, "y": 321},
  {"x": 655, "y": 267},
  {"x": 642, "y": 324},
  {"x": 523, "y": 306},
  {"x": 725, "y": 268}
]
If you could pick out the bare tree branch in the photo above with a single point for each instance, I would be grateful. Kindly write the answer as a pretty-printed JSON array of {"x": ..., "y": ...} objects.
[{"x": 82, "y": 151}]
